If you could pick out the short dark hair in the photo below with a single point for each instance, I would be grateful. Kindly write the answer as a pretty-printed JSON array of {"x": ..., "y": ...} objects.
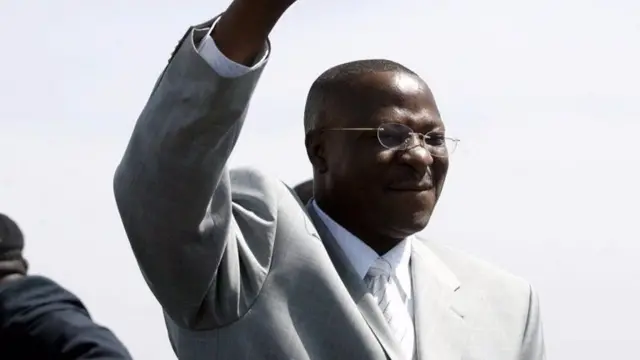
[
  {"x": 11, "y": 239},
  {"x": 11, "y": 246},
  {"x": 338, "y": 78}
]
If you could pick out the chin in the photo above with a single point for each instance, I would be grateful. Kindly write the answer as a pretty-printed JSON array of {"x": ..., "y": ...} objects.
[
  {"x": 420, "y": 221},
  {"x": 421, "y": 206},
  {"x": 410, "y": 224}
]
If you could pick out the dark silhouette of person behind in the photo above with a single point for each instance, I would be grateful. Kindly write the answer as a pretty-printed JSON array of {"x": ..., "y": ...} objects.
[
  {"x": 304, "y": 190},
  {"x": 39, "y": 319}
]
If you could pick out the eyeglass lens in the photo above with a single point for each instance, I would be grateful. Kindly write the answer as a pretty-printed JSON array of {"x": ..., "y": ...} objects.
[{"x": 399, "y": 136}]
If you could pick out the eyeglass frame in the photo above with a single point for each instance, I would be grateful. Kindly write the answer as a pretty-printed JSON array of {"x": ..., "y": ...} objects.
[{"x": 422, "y": 138}]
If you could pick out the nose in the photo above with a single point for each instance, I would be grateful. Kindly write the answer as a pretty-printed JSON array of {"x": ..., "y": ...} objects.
[{"x": 418, "y": 157}]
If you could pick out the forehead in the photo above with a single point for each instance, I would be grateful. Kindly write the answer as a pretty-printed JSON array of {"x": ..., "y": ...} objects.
[{"x": 394, "y": 97}]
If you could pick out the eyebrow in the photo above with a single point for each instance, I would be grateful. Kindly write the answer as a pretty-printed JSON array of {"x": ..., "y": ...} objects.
[{"x": 430, "y": 124}]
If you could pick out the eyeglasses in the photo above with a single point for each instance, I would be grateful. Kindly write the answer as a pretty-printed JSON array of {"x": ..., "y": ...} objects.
[{"x": 396, "y": 136}]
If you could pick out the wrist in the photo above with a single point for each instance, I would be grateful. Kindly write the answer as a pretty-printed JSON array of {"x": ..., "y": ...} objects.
[{"x": 243, "y": 29}]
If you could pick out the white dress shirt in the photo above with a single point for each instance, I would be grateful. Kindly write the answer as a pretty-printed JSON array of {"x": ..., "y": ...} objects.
[
  {"x": 358, "y": 253},
  {"x": 224, "y": 66},
  {"x": 362, "y": 258}
]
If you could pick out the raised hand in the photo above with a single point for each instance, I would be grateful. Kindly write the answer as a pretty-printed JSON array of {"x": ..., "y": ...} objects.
[{"x": 243, "y": 29}]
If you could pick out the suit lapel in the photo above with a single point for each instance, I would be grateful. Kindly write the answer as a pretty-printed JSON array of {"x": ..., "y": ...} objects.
[
  {"x": 441, "y": 331},
  {"x": 358, "y": 291}
]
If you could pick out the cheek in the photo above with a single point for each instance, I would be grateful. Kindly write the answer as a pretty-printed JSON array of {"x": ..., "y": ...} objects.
[
  {"x": 441, "y": 168},
  {"x": 381, "y": 164},
  {"x": 369, "y": 174},
  {"x": 361, "y": 165},
  {"x": 385, "y": 156},
  {"x": 372, "y": 165}
]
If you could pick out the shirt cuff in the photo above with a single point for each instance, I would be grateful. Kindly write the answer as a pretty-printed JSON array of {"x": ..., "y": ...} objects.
[{"x": 221, "y": 64}]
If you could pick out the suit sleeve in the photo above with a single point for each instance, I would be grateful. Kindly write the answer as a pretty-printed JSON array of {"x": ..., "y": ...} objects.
[
  {"x": 221, "y": 64},
  {"x": 533, "y": 347},
  {"x": 43, "y": 317},
  {"x": 173, "y": 191}
]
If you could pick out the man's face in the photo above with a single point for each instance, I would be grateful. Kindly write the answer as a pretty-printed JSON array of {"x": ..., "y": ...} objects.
[{"x": 391, "y": 191}]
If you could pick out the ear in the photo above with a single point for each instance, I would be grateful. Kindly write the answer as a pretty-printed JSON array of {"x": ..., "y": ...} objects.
[{"x": 316, "y": 151}]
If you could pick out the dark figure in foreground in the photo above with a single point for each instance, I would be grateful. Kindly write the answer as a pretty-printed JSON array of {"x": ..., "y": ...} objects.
[
  {"x": 244, "y": 272},
  {"x": 39, "y": 320}
]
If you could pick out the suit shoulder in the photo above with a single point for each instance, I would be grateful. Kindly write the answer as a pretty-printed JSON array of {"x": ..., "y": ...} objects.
[
  {"x": 478, "y": 273},
  {"x": 249, "y": 179},
  {"x": 253, "y": 186},
  {"x": 35, "y": 291}
]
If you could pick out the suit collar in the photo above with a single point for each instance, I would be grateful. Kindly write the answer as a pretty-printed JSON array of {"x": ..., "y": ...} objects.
[
  {"x": 361, "y": 256},
  {"x": 354, "y": 284},
  {"x": 441, "y": 330},
  {"x": 439, "y": 307}
]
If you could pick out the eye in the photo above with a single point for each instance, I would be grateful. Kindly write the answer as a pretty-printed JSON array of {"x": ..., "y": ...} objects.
[
  {"x": 394, "y": 135},
  {"x": 435, "y": 139}
]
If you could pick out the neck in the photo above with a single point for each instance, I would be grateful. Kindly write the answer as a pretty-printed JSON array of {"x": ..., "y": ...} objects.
[
  {"x": 11, "y": 277},
  {"x": 363, "y": 230},
  {"x": 12, "y": 267}
]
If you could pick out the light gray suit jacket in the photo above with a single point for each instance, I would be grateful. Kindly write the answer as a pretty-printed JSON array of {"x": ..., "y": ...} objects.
[{"x": 244, "y": 271}]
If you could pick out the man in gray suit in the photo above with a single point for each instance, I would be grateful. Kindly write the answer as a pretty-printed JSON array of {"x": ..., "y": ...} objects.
[{"x": 244, "y": 271}]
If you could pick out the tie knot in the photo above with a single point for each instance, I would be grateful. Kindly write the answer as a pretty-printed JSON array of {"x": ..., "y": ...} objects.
[{"x": 381, "y": 267}]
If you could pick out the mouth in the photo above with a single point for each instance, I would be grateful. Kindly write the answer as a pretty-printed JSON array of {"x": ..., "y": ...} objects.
[{"x": 406, "y": 186}]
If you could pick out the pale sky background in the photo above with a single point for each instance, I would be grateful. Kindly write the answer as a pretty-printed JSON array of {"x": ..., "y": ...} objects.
[{"x": 544, "y": 95}]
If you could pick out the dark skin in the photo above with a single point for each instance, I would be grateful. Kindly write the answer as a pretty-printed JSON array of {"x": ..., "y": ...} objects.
[
  {"x": 379, "y": 195},
  {"x": 242, "y": 30},
  {"x": 376, "y": 194},
  {"x": 10, "y": 277}
]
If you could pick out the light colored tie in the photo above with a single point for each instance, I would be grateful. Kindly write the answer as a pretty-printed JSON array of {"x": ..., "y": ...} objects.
[{"x": 384, "y": 288}]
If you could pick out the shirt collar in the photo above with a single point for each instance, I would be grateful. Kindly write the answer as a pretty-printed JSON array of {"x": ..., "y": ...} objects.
[{"x": 362, "y": 256}]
